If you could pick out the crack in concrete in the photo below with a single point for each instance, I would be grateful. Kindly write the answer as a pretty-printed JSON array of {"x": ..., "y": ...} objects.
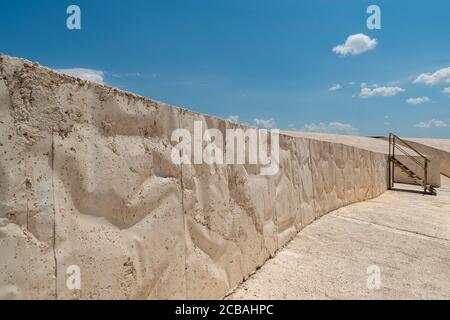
[
  {"x": 391, "y": 228},
  {"x": 184, "y": 221},
  {"x": 54, "y": 218}
]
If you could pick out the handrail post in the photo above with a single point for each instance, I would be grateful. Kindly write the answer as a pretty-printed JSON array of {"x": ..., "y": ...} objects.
[
  {"x": 389, "y": 161},
  {"x": 393, "y": 147},
  {"x": 393, "y": 157}
]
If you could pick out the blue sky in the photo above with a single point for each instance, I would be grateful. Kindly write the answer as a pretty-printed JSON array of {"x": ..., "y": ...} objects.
[{"x": 256, "y": 59}]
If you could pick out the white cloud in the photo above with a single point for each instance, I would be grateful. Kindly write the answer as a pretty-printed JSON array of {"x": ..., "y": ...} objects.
[
  {"x": 335, "y": 87},
  {"x": 365, "y": 85},
  {"x": 356, "y": 44},
  {"x": 86, "y": 74},
  {"x": 446, "y": 90},
  {"x": 332, "y": 127},
  {"x": 352, "y": 83},
  {"x": 442, "y": 75},
  {"x": 430, "y": 124},
  {"x": 267, "y": 124},
  {"x": 134, "y": 75},
  {"x": 380, "y": 91},
  {"x": 234, "y": 119},
  {"x": 419, "y": 100}
]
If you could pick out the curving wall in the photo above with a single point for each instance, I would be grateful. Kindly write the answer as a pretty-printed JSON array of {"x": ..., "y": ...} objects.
[{"x": 86, "y": 179}]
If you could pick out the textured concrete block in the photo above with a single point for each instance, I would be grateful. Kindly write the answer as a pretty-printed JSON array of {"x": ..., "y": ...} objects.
[
  {"x": 303, "y": 182},
  {"x": 225, "y": 229},
  {"x": 120, "y": 217},
  {"x": 286, "y": 193},
  {"x": 27, "y": 264}
]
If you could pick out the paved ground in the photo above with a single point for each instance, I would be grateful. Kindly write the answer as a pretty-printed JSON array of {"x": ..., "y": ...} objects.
[{"x": 406, "y": 236}]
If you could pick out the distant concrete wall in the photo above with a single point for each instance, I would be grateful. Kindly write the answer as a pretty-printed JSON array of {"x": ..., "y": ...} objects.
[
  {"x": 436, "y": 166},
  {"x": 433, "y": 171},
  {"x": 86, "y": 179},
  {"x": 381, "y": 145},
  {"x": 438, "y": 155}
]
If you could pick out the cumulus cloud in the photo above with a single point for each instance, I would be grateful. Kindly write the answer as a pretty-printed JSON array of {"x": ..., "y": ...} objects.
[
  {"x": 332, "y": 127},
  {"x": 234, "y": 119},
  {"x": 267, "y": 124},
  {"x": 335, "y": 87},
  {"x": 431, "y": 124},
  {"x": 86, "y": 74},
  {"x": 440, "y": 76},
  {"x": 446, "y": 90},
  {"x": 356, "y": 44},
  {"x": 380, "y": 91},
  {"x": 420, "y": 100}
]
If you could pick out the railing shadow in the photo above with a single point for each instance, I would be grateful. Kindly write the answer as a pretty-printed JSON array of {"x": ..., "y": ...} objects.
[{"x": 408, "y": 191}]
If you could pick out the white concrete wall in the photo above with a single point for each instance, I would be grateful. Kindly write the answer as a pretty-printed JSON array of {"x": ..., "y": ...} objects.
[
  {"x": 433, "y": 171},
  {"x": 86, "y": 179},
  {"x": 440, "y": 155},
  {"x": 382, "y": 146}
]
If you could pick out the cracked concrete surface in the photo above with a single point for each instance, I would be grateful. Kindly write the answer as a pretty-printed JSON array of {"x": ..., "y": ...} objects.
[{"x": 407, "y": 235}]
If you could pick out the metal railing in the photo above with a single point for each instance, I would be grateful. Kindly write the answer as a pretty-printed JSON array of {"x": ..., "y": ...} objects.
[{"x": 404, "y": 149}]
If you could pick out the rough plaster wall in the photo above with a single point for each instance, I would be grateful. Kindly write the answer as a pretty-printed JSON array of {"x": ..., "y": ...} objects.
[
  {"x": 100, "y": 163},
  {"x": 119, "y": 202},
  {"x": 27, "y": 261},
  {"x": 87, "y": 180}
]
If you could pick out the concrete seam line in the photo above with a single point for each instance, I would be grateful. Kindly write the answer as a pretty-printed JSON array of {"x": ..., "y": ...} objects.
[
  {"x": 312, "y": 177},
  {"x": 386, "y": 227},
  {"x": 184, "y": 218},
  {"x": 54, "y": 217}
]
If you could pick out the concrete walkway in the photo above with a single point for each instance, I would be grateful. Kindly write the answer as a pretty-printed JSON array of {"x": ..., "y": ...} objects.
[{"x": 405, "y": 236}]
